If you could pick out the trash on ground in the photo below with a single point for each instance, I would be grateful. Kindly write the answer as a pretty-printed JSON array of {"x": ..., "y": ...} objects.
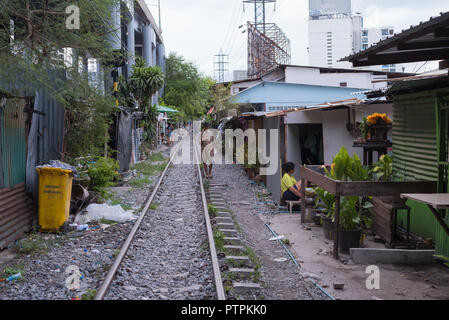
[
  {"x": 338, "y": 286},
  {"x": 60, "y": 165},
  {"x": 310, "y": 275},
  {"x": 95, "y": 212},
  {"x": 14, "y": 277},
  {"x": 277, "y": 238},
  {"x": 82, "y": 227},
  {"x": 280, "y": 260}
]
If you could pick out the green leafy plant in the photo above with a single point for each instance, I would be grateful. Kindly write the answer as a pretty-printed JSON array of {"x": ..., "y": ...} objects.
[
  {"x": 345, "y": 168},
  {"x": 384, "y": 168},
  {"x": 144, "y": 82},
  {"x": 327, "y": 198},
  {"x": 89, "y": 294},
  {"x": 102, "y": 173},
  {"x": 212, "y": 210},
  {"x": 354, "y": 213},
  {"x": 364, "y": 128}
]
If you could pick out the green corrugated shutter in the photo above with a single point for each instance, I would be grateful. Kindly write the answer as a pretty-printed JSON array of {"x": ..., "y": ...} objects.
[
  {"x": 415, "y": 152},
  {"x": 414, "y": 137},
  {"x": 441, "y": 238}
]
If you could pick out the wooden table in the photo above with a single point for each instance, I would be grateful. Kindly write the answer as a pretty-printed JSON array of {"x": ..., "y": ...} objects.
[{"x": 435, "y": 202}]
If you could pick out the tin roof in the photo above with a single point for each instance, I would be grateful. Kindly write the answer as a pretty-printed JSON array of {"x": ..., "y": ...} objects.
[{"x": 425, "y": 42}]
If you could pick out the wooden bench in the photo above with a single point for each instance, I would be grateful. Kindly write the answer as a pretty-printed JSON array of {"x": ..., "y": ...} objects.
[{"x": 290, "y": 205}]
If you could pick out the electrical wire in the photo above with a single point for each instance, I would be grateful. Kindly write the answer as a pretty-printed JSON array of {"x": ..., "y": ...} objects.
[{"x": 230, "y": 27}]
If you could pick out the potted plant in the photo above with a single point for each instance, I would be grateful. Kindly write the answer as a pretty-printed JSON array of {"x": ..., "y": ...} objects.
[
  {"x": 353, "y": 218},
  {"x": 328, "y": 200}
]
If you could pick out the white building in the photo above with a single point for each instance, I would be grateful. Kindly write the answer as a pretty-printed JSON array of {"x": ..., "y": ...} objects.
[
  {"x": 320, "y": 76},
  {"x": 334, "y": 33},
  {"x": 239, "y": 75},
  {"x": 372, "y": 36}
]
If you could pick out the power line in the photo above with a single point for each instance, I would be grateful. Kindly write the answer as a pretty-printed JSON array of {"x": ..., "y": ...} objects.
[
  {"x": 234, "y": 13},
  {"x": 234, "y": 32}
]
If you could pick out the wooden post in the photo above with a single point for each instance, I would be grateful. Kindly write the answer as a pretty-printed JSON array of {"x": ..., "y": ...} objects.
[
  {"x": 336, "y": 226},
  {"x": 303, "y": 200}
]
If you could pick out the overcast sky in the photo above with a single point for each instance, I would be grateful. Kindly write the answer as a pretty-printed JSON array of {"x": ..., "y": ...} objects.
[{"x": 198, "y": 29}]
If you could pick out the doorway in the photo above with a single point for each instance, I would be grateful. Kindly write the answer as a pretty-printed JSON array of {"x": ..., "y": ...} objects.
[{"x": 311, "y": 144}]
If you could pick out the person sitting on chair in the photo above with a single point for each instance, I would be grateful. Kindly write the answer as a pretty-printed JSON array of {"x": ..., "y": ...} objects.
[{"x": 291, "y": 189}]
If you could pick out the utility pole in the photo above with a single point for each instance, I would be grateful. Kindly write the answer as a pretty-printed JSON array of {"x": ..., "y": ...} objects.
[
  {"x": 221, "y": 64},
  {"x": 159, "y": 8},
  {"x": 259, "y": 13}
]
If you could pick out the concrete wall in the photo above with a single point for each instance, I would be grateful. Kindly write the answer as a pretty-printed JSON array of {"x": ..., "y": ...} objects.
[
  {"x": 237, "y": 87},
  {"x": 273, "y": 181},
  {"x": 312, "y": 76}
]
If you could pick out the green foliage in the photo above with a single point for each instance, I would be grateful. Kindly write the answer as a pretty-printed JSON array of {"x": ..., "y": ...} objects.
[
  {"x": 139, "y": 183},
  {"x": 384, "y": 168},
  {"x": 157, "y": 157},
  {"x": 125, "y": 96},
  {"x": 12, "y": 270},
  {"x": 87, "y": 124},
  {"x": 219, "y": 241},
  {"x": 144, "y": 82},
  {"x": 212, "y": 210},
  {"x": 89, "y": 295},
  {"x": 364, "y": 128},
  {"x": 345, "y": 168},
  {"x": 354, "y": 213},
  {"x": 328, "y": 200},
  {"x": 153, "y": 206},
  {"x": 102, "y": 173},
  {"x": 148, "y": 169},
  {"x": 186, "y": 88},
  {"x": 35, "y": 57},
  {"x": 353, "y": 209}
]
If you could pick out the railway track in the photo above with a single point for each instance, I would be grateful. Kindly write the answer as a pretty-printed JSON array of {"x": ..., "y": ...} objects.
[{"x": 170, "y": 252}]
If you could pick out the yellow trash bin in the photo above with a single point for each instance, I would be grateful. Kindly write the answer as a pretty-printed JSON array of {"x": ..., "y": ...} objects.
[{"x": 55, "y": 188}]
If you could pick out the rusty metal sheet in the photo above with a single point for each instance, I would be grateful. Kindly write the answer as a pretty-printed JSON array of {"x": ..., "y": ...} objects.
[{"x": 16, "y": 214}]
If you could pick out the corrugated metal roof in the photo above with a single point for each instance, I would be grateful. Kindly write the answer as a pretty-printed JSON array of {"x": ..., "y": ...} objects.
[{"x": 418, "y": 43}]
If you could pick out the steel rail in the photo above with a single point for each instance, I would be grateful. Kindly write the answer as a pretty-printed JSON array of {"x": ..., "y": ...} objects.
[
  {"x": 101, "y": 293},
  {"x": 213, "y": 251}
]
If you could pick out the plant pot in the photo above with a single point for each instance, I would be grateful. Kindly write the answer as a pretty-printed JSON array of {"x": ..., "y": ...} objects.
[
  {"x": 317, "y": 219},
  {"x": 310, "y": 214},
  {"x": 349, "y": 239},
  {"x": 328, "y": 228}
]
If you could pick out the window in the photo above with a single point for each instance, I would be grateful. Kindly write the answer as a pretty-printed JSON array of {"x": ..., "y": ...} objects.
[
  {"x": 343, "y": 84},
  {"x": 364, "y": 33},
  {"x": 385, "y": 32}
]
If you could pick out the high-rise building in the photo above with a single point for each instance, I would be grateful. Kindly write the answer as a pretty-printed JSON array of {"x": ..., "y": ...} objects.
[
  {"x": 334, "y": 32},
  {"x": 371, "y": 36}
]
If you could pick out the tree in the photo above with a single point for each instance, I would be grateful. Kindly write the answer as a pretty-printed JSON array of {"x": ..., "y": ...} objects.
[
  {"x": 39, "y": 52},
  {"x": 34, "y": 35},
  {"x": 144, "y": 83},
  {"x": 186, "y": 88}
]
